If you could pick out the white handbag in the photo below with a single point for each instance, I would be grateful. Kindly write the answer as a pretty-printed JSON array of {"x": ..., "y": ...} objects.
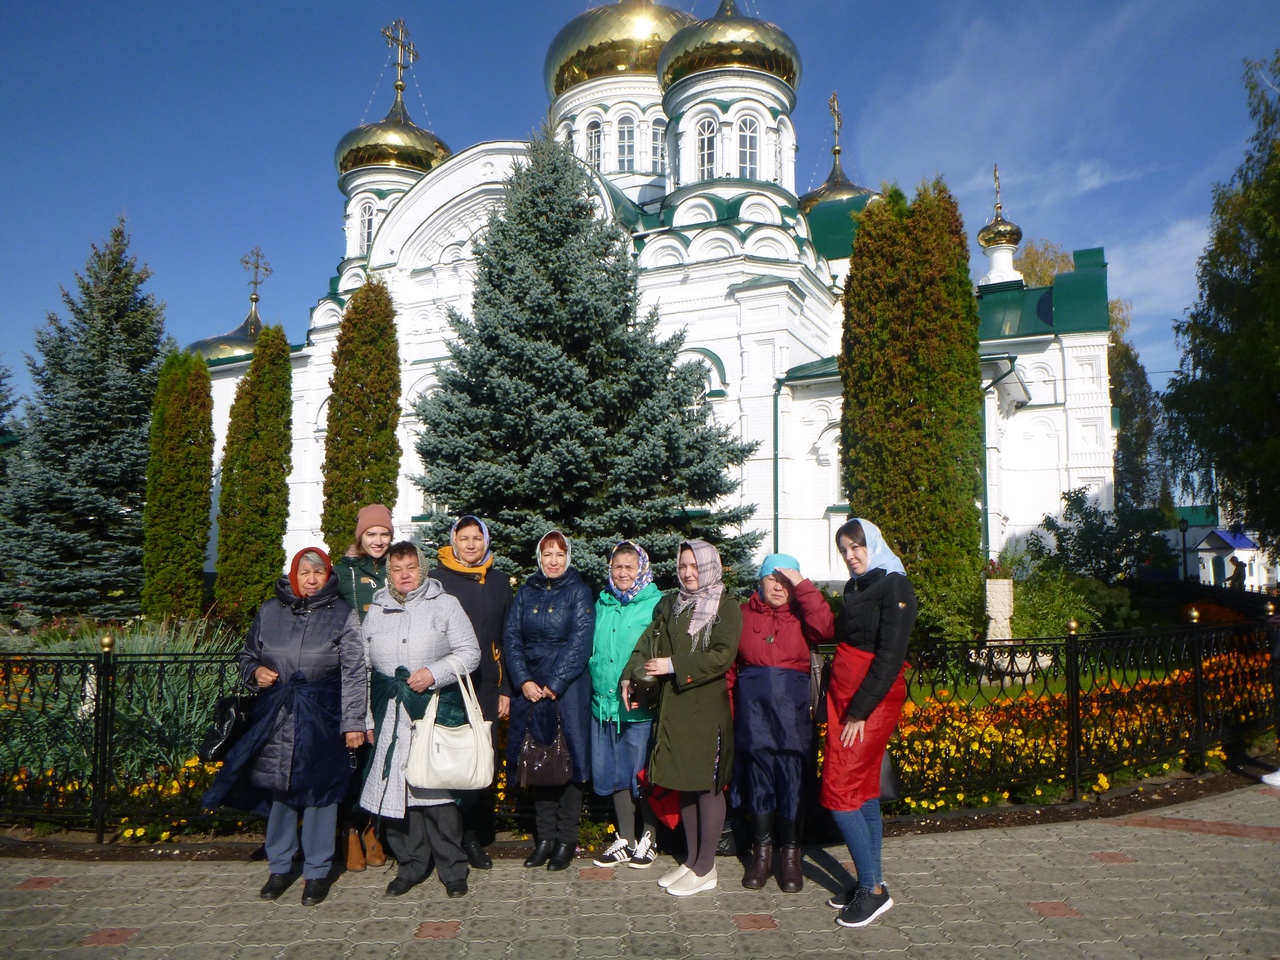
[{"x": 452, "y": 758}]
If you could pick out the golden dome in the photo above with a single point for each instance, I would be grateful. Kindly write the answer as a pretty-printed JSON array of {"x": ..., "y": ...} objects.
[
  {"x": 394, "y": 141},
  {"x": 836, "y": 187},
  {"x": 238, "y": 343},
  {"x": 729, "y": 39},
  {"x": 623, "y": 37},
  {"x": 999, "y": 231}
]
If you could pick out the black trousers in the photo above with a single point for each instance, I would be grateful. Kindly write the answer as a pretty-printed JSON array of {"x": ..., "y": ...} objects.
[
  {"x": 428, "y": 833},
  {"x": 557, "y": 811}
]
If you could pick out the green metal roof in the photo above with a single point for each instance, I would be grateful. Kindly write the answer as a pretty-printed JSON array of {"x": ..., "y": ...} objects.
[
  {"x": 1203, "y": 515},
  {"x": 825, "y": 369},
  {"x": 833, "y": 225},
  {"x": 1076, "y": 303}
]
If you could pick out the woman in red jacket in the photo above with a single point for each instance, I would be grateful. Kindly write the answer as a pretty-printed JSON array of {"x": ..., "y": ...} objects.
[{"x": 786, "y": 617}]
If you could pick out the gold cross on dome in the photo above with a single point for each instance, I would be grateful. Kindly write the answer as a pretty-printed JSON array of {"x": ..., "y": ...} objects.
[
  {"x": 834, "y": 105},
  {"x": 995, "y": 172},
  {"x": 255, "y": 261},
  {"x": 406, "y": 53}
]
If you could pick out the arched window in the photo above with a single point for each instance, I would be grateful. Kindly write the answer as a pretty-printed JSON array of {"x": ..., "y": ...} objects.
[
  {"x": 366, "y": 227},
  {"x": 593, "y": 143},
  {"x": 706, "y": 148},
  {"x": 626, "y": 143},
  {"x": 748, "y": 148},
  {"x": 659, "y": 146}
]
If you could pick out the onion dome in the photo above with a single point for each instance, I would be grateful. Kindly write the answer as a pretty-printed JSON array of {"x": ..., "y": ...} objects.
[
  {"x": 623, "y": 37},
  {"x": 394, "y": 141},
  {"x": 729, "y": 39},
  {"x": 238, "y": 343},
  {"x": 999, "y": 232},
  {"x": 830, "y": 208}
]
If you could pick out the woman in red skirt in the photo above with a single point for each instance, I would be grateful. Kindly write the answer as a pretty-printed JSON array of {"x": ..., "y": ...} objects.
[{"x": 864, "y": 698}]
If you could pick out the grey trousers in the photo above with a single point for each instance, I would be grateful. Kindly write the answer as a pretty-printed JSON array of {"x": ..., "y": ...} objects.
[
  {"x": 318, "y": 837},
  {"x": 428, "y": 833}
]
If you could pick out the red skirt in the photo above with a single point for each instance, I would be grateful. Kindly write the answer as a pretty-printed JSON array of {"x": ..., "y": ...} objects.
[{"x": 851, "y": 775}]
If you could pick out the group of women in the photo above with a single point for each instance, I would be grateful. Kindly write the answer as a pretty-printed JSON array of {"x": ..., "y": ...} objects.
[{"x": 664, "y": 703}]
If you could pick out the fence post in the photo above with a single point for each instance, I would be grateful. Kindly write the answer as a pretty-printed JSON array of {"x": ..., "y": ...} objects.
[
  {"x": 1271, "y": 641},
  {"x": 1198, "y": 686},
  {"x": 1073, "y": 707},
  {"x": 104, "y": 700}
]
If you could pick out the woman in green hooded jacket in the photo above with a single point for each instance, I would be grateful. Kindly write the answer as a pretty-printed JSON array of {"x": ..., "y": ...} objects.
[{"x": 621, "y": 738}]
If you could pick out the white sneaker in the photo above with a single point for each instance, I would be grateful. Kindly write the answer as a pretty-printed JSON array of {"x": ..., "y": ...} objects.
[
  {"x": 619, "y": 852},
  {"x": 667, "y": 879},
  {"x": 691, "y": 883},
  {"x": 645, "y": 853},
  {"x": 1272, "y": 779}
]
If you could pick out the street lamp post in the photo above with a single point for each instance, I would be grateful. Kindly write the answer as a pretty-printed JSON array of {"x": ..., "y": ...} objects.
[{"x": 1182, "y": 525}]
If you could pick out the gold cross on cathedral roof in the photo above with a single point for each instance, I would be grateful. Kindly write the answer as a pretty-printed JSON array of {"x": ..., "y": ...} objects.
[
  {"x": 406, "y": 53},
  {"x": 834, "y": 106},
  {"x": 255, "y": 261}
]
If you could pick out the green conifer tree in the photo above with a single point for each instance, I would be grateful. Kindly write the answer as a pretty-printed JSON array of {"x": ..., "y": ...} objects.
[
  {"x": 1223, "y": 405},
  {"x": 179, "y": 489},
  {"x": 253, "y": 503},
  {"x": 8, "y": 425},
  {"x": 561, "y": 408},
  {"x": 912, "y": 417},
  {"x": 71, "y": 512},
  {"x": 361, "y": 451}
]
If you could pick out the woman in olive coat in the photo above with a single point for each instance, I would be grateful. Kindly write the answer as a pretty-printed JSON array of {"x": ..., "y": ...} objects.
[{"x": 687, "y": 650}]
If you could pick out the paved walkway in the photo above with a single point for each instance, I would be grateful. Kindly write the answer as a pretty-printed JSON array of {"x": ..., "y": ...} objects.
[{"x": 1197, "y": 880}]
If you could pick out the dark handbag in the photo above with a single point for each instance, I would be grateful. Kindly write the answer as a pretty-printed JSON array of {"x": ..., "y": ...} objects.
[
  {"x": 819, "y": 676},
  {"x": 232, "y": 716},
  {"x": 890, "y": 783},
  {"x": 544, "y": 764}
]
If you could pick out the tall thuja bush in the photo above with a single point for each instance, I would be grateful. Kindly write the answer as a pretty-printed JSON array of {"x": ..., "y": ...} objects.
[
  {"x": 361, "y": 451},
  {"x": 253, "y": 503},
  {"x": 71, "y": 509},
  {"x": 179, "y": 489},
  {"x": 561, "y": 407},
  {"x": 912, "y": 416}
]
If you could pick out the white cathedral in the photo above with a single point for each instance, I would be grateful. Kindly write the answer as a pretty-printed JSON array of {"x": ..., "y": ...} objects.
[{"x": 686, "y": 127}]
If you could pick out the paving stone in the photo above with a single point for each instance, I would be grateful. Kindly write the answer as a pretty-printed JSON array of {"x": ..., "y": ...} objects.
[
  {"x": 432, "y": 950},
  {"x": 655, "y": 946},
  {"x": 381, "y": 930},
  {"x": 713, "y": 945},
  {"x": 492, "y": 950},
  {"x": 166, "y": 935},
  {"x": 373, "y": 951},
  {"x": 499, "y": 928},
  {"x": 316, "y": 950},
  {"x": 652, "y": 923},
  {"x": 273, "y": 932},
  {"x": 765, "y": 943},
  {"x": 589, "y": 947},
  {"x": 597, "y": 925},
  {"x": 543, "y": 948},
  {"x": 55, "y": 936},
  {"x": 258, "y": 952}
]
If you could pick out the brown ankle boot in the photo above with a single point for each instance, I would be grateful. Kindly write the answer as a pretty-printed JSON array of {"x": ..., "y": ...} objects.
[
  {"x": 790, "y": 879},
  {"x": 374, "y": 855},
  {"x": 761, "y": 867},
  {"x": 355, "y": 855}
]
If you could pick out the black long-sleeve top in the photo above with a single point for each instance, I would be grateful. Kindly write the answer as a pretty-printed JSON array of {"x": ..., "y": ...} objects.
[{"x": 878, "y": 615}]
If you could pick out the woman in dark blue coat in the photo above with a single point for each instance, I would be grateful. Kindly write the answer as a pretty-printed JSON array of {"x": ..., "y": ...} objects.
[{"x": 546, "y": 643}]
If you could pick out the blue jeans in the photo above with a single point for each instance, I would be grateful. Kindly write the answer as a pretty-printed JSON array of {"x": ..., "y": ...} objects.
[{"x": 863, "y": 834}]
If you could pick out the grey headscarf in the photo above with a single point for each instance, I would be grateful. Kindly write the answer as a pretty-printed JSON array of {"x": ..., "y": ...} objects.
[{"x": 706, "y": 599}]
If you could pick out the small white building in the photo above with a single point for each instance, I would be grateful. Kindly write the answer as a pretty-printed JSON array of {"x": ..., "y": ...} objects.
[{"x": 686, "y": 127}]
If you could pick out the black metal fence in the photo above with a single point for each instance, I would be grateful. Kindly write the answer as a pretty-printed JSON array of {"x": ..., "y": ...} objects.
[{"x": 95, "y": 739}]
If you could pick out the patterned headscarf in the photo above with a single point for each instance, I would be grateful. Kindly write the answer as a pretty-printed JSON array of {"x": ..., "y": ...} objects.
[
  {"x": 643, "y": 578},
  {"x": 706, "y": 599},
  {"x": 879, "y": 556},
  {"x": 484, "y": 531}
]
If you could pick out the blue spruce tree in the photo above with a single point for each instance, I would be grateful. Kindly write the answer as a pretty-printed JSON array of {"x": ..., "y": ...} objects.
[
  {"x": 561, "y": 407},
  {"x": 71, "y": 511}
]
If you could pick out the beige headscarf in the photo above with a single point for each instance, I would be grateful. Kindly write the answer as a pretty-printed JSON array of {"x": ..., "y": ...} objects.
[{"x": 706, "y": 599}]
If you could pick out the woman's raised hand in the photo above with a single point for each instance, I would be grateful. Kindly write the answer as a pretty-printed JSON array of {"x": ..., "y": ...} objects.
[{"x": 659, "y": 667}]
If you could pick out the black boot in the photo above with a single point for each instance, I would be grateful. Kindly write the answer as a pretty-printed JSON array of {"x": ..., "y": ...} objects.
[
  {"x": 790, "y": 878},
  {"x": 761, "y": 866},
  {"x": 541, "y": 853},
  {"x": 562, "y": 856}
]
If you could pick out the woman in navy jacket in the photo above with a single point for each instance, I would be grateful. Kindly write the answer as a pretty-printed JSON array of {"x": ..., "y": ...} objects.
[{"x": 546, "y": 643}]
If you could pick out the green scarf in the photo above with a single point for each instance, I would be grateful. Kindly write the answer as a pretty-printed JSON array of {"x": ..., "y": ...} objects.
[{"x": 452, "y": 712}]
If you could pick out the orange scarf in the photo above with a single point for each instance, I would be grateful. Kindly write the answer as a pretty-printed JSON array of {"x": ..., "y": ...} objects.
[{"x": 451, "y": 562}]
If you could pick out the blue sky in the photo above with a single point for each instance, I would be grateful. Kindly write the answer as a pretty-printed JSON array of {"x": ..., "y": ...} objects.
[{"x": 211, "y": 128}]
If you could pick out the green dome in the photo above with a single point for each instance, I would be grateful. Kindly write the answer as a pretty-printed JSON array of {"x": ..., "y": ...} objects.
[{"x": 830, "y": 210}]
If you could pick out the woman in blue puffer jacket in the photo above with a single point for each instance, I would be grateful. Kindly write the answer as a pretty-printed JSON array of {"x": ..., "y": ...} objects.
[{"x": 547, "y": 642}]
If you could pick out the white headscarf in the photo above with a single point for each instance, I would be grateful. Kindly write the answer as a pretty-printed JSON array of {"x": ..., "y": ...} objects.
[{"x": 879, "y": 556}]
